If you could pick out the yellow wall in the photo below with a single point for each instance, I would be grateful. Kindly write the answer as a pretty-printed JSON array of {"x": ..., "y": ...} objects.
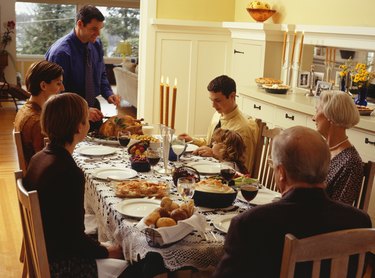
[
  {"x": 317, "y": 12},
  {"x": 199, "y": 10}
]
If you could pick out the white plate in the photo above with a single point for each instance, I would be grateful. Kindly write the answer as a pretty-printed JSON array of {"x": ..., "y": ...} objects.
[
  {"x": 206, "y": 167},
  {"x": 222, "y": 222},
  {"x": 190, "y": 148},
  {"x": 137, "y": 208},
  {"x": 102, "y": 141},
  {"x": 264, "y": 196},
  {"x": 117, "y": 174},
  {"x": 96, "y": 150}
]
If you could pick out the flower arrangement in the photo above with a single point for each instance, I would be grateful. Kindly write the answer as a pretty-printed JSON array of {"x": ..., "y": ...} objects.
[
  {"x": 6, "y": 37},
  {"x": 361, "y": 75}
]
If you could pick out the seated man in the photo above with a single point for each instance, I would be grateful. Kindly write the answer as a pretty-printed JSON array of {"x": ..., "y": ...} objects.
[
  {"x": 255, "y": 240},
  {"x": 222, "y": 90}
]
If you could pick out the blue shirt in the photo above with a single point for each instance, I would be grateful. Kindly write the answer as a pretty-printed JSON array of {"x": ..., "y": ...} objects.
[{"x": 69, "y": 53}]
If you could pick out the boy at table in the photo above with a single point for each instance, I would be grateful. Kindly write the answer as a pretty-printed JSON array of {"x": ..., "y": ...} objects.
[
  {"x": 60, "y": 184},
  {"x": 254, "y": 243},
  {"x": 222, "y": 93}
]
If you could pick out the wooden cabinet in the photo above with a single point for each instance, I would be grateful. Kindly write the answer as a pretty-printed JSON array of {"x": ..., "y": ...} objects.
[
  {"x": 258, "y": 109},
  {"x": 286, "y": 118},
  {"x": 364, "y": 142}
]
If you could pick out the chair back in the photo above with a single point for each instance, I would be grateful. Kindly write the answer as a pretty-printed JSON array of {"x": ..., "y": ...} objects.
[
  {"x": 367, "y": 183},
  {"x": 258, "y": 149},
  {"x": 32, "y": 226},
  {"x": 337, "y": 246},
  {"x": 20, "y": 154},
  {"x": 265, "y": 176}
]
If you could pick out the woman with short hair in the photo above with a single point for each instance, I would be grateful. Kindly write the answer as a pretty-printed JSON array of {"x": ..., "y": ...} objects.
[{"x": 335, "y": 113}]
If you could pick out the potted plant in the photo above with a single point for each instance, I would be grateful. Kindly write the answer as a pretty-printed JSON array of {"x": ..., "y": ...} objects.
[{"x": 6, "y": 38}]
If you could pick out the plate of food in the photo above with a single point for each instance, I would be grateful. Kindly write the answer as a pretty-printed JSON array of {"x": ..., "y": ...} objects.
[
  {"x": 116, "y": 174},
  {"x": 206, "y": 167},
  {"x": 222, "y": 222},
  {"x": 137, "y": 208},
  {"x": 96, "y": 150},
  {"x": 276, "y": 88},
  {"x": 141, "y": 188},
  {"x": 365, "y": 110}
]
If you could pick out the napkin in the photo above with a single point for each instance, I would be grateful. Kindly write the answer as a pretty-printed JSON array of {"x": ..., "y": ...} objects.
[
  {"x": 110, "y": 268},
  {"x": 183, "y": 228}
]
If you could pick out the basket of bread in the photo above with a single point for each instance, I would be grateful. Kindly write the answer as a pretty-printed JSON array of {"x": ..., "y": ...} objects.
[
  {"x": 171, "y": 222},
  {"x": 364, "y": 110}
]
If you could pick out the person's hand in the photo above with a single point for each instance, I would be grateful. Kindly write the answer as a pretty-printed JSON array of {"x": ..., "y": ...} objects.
[
  {"x": 185, "y": 136},
  {"x": 95, "y": 114},
  {"x": 115, "y": 252},
  {"x": 115, "y": 99},
  {"x": 204, "y": 151}
]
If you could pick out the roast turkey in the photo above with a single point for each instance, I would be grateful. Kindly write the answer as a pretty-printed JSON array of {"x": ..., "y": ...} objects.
[{"x": 114, "y": 124}]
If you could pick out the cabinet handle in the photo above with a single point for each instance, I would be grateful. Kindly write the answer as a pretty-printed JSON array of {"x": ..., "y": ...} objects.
[
  {"x": 260, "y": 108},
  {"x": 367, "y": 141},
  {"x": 289, "y": 117},
  {"x": 236, "y": 51}
]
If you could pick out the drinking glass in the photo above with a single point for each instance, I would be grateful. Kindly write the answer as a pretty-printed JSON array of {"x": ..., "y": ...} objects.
[
  {"x": 153, "y": 157},
  {"x": 249, "y": 191},
  {"x": 185, "y": 187},
  {"x": 227, "y": 170},
  {"x": 124, "y": 139},
  {"x": 178, "y": 147}
]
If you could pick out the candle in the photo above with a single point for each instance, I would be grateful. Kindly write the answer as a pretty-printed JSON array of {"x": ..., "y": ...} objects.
[
  {"x": 161, "y": 100},
  {"x": 284, "y": 47},
  {"x": 293, "y": 47},
  {"x": 167, "y": 102},
  {"x": 174, "y": 95},
  {"x": 326, "y": 55},
  {"x": 300, "y": 48},
  {"x": 334, "y": 55}
]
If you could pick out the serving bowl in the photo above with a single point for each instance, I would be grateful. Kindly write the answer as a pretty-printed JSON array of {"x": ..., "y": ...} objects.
[
  {"x": 214, "y": 200},
  {"x": 260, "y": 15},
  {"x": 276, "y": 88}
]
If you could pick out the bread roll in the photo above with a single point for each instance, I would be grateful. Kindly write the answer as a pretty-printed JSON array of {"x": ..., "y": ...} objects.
[
  {"x": 174, "y": 206},
  {"x": 165, "y": 222},
  {"x": 179, "y": 214},
  {"x": 152, "y": 218},
  {"x": 164, "y": 212},
  {"x": 166, "y": 203}
]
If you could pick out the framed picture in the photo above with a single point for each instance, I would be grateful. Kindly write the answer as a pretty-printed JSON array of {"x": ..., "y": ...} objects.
[
  {"x": 337, "y": 79},
  {"x": 304, "y": 79},
  {"x": 322, "y": 86},
  {"x": 318, "y": 76}
]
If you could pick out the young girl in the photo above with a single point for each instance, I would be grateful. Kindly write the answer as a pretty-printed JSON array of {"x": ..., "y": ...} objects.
[{"x": 229, "y": 146}]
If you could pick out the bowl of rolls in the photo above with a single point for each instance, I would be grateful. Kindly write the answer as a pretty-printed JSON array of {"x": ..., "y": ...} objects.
[{"x": 212, "y": 193}]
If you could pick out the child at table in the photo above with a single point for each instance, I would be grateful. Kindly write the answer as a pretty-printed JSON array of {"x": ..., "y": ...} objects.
[
  {"x": 60, "y": 184},
  {"x": 229, "y": 146}
]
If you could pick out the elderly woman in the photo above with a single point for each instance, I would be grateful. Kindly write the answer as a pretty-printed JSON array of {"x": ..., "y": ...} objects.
[
  {"x": 43, "y": 79},
  {"x": 60, "y": 184},
  {"x": 335, "y": 113}
]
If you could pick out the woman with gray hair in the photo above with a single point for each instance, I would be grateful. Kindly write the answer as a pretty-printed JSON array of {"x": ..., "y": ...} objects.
[{"x": 335, "y": 113}]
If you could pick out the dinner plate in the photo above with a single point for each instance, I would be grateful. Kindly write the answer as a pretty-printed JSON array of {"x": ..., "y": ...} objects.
[
  {"x": 137, "y": 208},
  {"x": 117, "y": 174},
  {"x": 222, "y": 222},
  {"x": 103, "y": 141},
  {"x": 190, "y": 148},
  {"x": 96, "y": 150},
  {"x": 264, "y": 196},
  {"x": 206, "y": 167}
]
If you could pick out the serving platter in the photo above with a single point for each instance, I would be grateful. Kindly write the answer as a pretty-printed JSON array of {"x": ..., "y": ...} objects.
[
  {"x": 116, "y": 174},
  {"x": 222, "y": 222},
  {"x": 96, "y": 150},
  {"x": 137, "y": 208}
]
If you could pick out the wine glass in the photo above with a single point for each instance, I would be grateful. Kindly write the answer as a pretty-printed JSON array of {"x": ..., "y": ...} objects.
[
  {"x": 185, "y": 187},
  {"x": 178, "y": 147},
  {"x": 123, "y": 138},
  {"x": 227, "y": 170},
  {"x": 153, "y": 157},
  {"x": 249, "y": 191}
]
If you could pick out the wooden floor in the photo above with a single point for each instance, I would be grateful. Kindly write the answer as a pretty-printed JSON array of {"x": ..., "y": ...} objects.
[{"x": 10, "y": 225}]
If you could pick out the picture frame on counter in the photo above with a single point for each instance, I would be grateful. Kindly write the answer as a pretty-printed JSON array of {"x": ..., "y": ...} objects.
[
  {"x": 337, "y": 79},
  {"x": 318, "y": 76},
  {"x": 304, "y": 79},
  {"x": 322, "y": 86}
]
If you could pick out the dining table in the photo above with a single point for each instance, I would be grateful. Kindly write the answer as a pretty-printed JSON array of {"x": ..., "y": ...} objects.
[{"x": 200, "y": 250}]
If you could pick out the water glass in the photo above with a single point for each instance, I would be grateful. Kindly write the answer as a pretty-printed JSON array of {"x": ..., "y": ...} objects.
[{"x": 185, "y": 187}]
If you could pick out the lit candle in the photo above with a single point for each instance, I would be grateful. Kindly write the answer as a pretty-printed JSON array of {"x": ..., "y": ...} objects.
[
  {"x": 161, "y": 100},
  {"x": 284, "y": 47},
  {"x": 167, "y": 102},
  {"x": 300, "y": 48},
  {"x": 334, "y": 56},
  {"x": 326, "y": 55},
  {"x": 293, "y": 47},
  {"x": 174, "y": 95}
]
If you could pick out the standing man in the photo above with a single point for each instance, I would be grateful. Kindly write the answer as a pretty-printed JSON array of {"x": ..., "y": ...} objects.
[
  {"x": 222, "y": 93},
  {"x": 80, "y": 53}
]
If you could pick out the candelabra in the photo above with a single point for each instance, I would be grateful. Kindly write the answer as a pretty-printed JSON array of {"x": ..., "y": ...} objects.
[{"x": 312, "y": 85}]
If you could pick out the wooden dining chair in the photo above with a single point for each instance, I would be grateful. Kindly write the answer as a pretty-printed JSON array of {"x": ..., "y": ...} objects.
[
  {"x": 265, "y": 173},
  {"x": 336, "y": 246},
  {"x": 258, "y": 149},
  {"x": 20, "y": 154},
  {"x": 366, "y": 188},
  {"x": 32, "y": 226}
]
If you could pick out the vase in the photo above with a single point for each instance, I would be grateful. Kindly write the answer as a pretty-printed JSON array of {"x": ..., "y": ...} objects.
[
  {"x": 342, "y": 83},
  {"x": 361, "y": 97}
]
